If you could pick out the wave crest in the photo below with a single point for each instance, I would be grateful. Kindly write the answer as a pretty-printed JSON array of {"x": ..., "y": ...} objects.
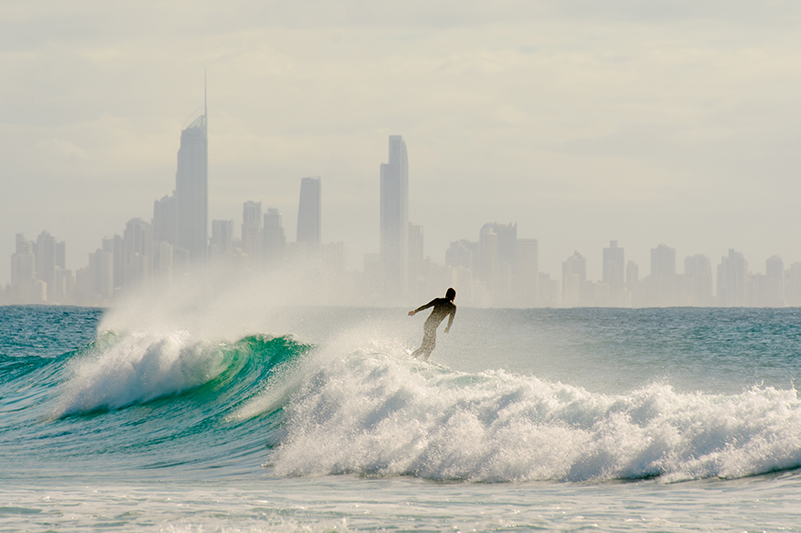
[{"x": 139, "y": 367}]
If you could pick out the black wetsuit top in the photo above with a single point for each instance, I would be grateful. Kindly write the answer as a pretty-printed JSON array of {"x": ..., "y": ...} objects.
[{"x": 442, "y": 308}]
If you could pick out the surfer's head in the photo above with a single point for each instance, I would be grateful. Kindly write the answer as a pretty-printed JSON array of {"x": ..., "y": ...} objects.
[{"x": 450, "y": 294}]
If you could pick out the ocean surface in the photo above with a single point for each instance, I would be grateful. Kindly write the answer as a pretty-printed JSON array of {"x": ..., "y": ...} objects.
[{"x": 218, "y": 417}]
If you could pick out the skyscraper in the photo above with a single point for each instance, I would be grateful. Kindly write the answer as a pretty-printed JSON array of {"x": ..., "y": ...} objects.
[
  {"x": 101, "y": 275},
  {"x": 222, "y": 237},
  {"x": 251, "y": 229},
  {"x": 698, "y": 280},
  {"x": 462, "y": 254},
  {"x": 527, "y": 272},
  {"x": 137, "y": 252},
  {"x": 574, "y": 277},
  {"x": 663, "y": 276},
  {"x": 774, "y": 272},
  {"x": 794, "y": 285},
  {"x": 309, "y": 212},
  {"x": 496, "y": 261},
  {"x": 487, "y": 260},
  {"x": 115, "y": 246},
  {"x": 507, "y": 240},
  {"x": 273, "y": 238},
  {"x": 45, "y": 251},
  {"x": 164, "y": 219},
  {"x": 395, "y": 218},
  {"x": 614, "y": 268},
  {"x": 192, "y": 189},
  {"x": 23, "y": 273},
  {"x": 732, "y": 280}
]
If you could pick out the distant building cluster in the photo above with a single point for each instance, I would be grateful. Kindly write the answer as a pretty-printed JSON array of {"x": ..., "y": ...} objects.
[
  {"x": 733, "y": 286},
  {"x": 497, "y": 270},
  {"x": 174, "y": 242}
]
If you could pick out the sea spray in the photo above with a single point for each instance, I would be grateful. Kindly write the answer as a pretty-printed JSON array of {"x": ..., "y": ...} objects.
[{"x": 219, "y": 303}]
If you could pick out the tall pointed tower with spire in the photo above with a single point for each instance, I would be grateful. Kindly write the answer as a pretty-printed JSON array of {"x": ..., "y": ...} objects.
[{"x": 192, "y": 187}]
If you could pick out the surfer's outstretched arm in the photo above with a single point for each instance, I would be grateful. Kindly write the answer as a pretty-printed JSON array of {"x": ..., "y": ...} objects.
[{"x": 422, "y": 307}]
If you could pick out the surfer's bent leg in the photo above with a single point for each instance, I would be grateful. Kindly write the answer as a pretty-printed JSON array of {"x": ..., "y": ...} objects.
[{"x": 428, "y": 345}]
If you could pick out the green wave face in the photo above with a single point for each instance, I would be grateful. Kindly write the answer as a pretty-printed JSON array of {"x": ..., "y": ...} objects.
[{"x": 143, "y": 403}]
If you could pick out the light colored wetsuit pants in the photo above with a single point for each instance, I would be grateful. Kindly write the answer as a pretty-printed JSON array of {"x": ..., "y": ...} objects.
[{"x": 429, "y": 342}]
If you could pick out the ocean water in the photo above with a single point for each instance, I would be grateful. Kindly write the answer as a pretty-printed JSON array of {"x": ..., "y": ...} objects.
[{"x": 217, "y": 417}]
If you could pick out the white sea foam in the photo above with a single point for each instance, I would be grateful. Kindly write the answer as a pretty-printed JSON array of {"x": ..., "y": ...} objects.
[
  {"x": 138, "y": 367},
  {"x": 376, "y": 412}
]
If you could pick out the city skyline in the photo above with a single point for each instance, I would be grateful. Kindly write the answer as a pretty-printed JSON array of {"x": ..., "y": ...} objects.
[
  {"x": 498, "y": 269},
  {"x": 673, "y": 123}
]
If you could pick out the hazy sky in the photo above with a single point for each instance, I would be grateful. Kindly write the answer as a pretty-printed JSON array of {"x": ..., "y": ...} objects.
[{"x": 648, "y": 122}]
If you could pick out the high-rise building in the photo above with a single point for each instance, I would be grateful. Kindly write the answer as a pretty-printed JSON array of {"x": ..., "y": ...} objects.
[
  {"x": 793, "y": 285},
  {"x": 548, "y": 290},
  {"x": 273, "y": 238},
  {"x": 732, "y": 280},
  {"x": 698, "y": 280},
  {"x": 497, "y": 261},
  {"x": 61, "y": 255},
  {"x": 101, "y": 275},
  {"x": 662, "y": 282},
  {"x": 663, "y": 261},
  {"x": 137, "y": 252},
  {"x": 395, "y": 219},
  {"x": 192, "y": 190},
  {"x": 46, "y": 260},
  {"x": 507, "y": 240},
  {"x": 632, "y": 274},
  {"x": 251, "y": 229},
  {"x": 614, "y": 275},
  {"x": 462, "y": 254},
  {"x": 614, "y": 266},
  {"x": 488, "y": 257},
  {"x": 163, "y": 260},
  {"x": 23, "y": 273},
  {"x": 774, "y": 272},
  {"x": 164, "y": 219},
  {"x": 633, "y": 285},
  {"x": 222, "y": 237},
  {"x": 115, "y": 246},
  {"x": 574, "y": 277},
  {"x": 309, "y": 212},
  {"x": 527, "y": 272}
]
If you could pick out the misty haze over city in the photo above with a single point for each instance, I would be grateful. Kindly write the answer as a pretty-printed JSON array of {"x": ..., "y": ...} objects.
[{"x": 528, "y": 154}]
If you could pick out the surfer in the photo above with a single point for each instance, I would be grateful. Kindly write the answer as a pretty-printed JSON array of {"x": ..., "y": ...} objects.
[{"x": 442, "y": 307}]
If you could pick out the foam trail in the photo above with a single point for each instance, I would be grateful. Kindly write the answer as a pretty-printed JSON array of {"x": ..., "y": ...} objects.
[{"x": 375, "y": 412}]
